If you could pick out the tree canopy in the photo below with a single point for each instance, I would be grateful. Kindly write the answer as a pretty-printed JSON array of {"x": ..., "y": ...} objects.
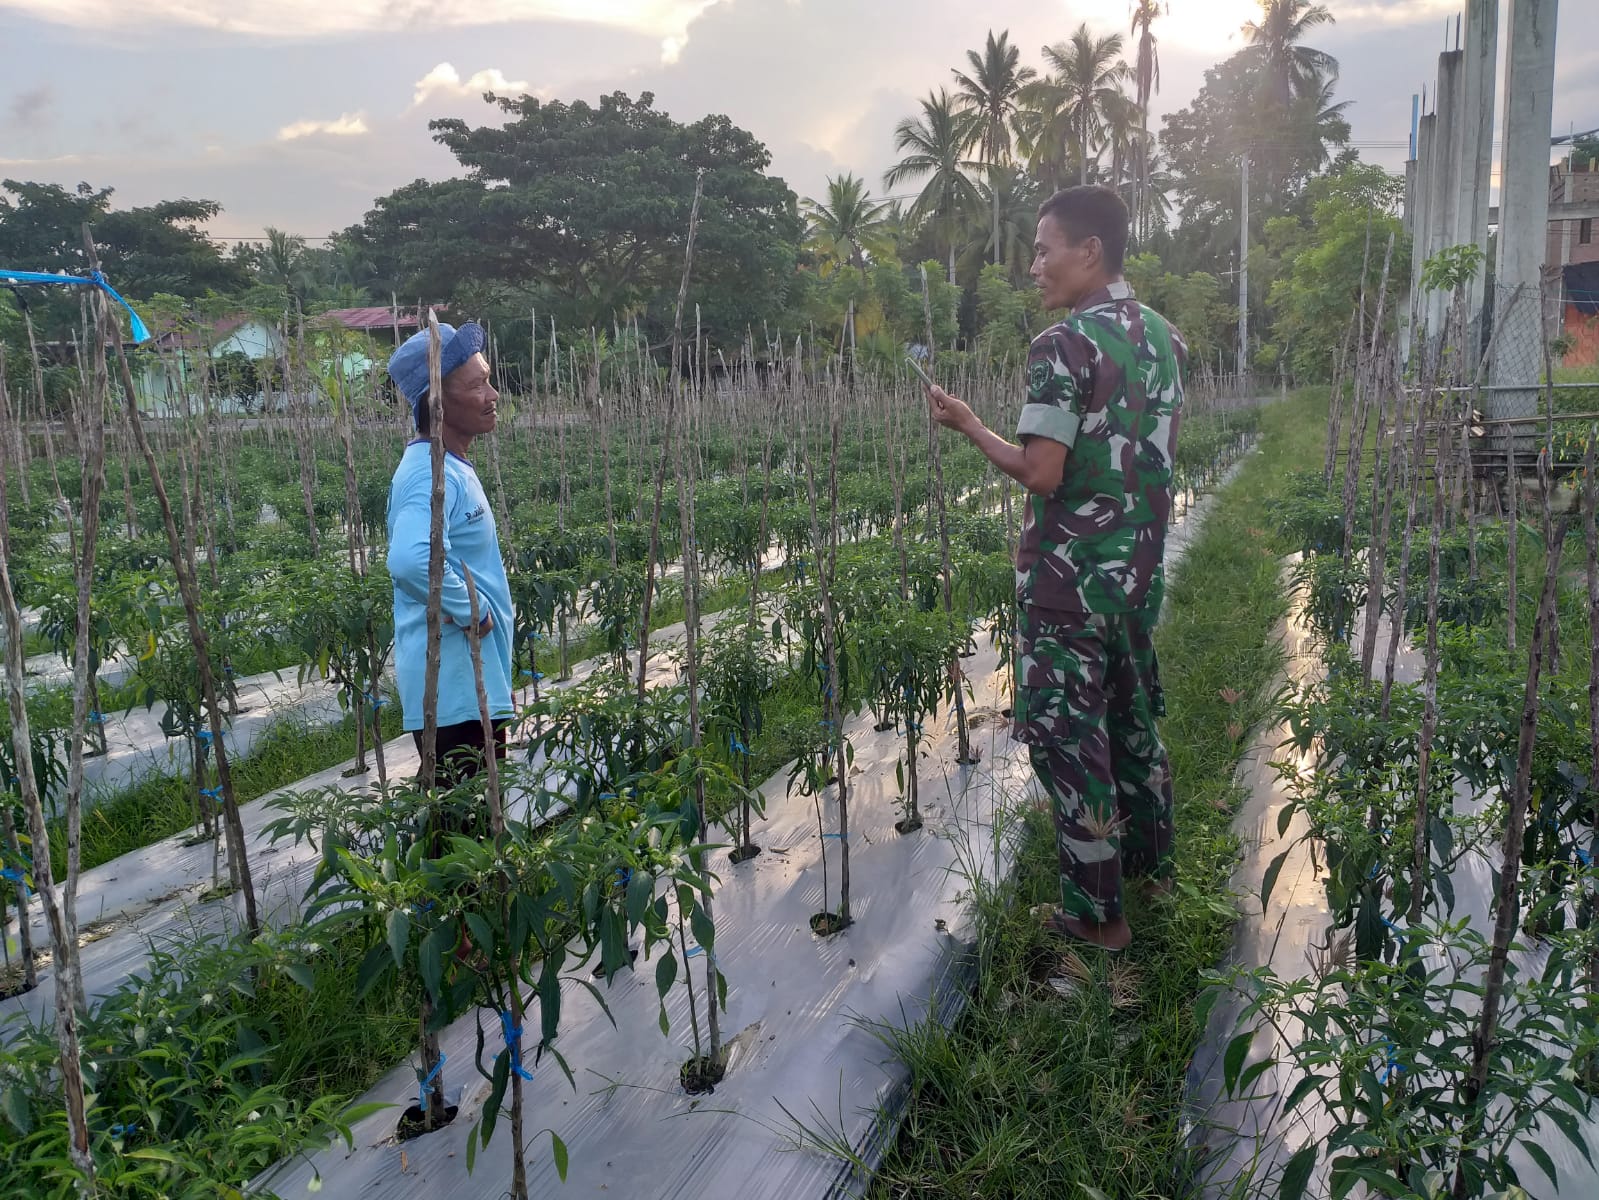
[{"x": 581, "y": 212}]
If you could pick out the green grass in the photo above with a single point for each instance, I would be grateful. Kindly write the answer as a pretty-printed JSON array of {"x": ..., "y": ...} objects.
[
  {"x": 1033, "y": 1096},
  {"x": 162, "y": 805}
]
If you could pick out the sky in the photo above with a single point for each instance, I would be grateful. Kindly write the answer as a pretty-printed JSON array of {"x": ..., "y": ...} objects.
[{"x": 299, "y": 113}]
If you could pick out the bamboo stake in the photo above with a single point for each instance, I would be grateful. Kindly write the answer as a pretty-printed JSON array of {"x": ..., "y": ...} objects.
[
  {"x": 188, "y": 588},
  {"x": 1507, "y": 907},
  {"x": 676, "y": 386}
]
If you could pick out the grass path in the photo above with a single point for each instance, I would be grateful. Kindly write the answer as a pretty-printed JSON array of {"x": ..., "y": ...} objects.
[{"x": 1035, "y": 1096}]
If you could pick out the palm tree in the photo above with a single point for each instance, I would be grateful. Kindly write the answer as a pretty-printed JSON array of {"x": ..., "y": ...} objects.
[
  {"x": 1068, "y": 107},
  {"x": 282, "y": 262},
  {"x": 990, "y": 93},
  {"x": 1146, "y": 82},
  {"x": 848, "y": 225},
  {"x": 1015, "y": 195},
  {"x": 935, "y": 146},
  {"x": 1291, "y": 69},
  {"x": 1317, "y": 123}
]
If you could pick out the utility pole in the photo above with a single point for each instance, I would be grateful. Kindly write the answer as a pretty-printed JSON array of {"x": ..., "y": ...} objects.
[{"x": 1243, "y": 278}]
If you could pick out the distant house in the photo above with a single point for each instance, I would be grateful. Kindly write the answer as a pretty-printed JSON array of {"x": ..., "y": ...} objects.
[{"x": 249, "y": 357}]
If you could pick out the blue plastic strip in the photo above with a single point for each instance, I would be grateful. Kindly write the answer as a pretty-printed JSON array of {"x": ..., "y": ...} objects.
[
  {"x": 95, "y": 279},
  {"x": 513, "y": 1045},
  {"x": 427, "y": 1083}
]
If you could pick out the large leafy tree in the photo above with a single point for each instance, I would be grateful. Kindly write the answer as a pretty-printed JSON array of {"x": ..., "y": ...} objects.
[
  {"x": 991, "y": 91},
  {"x": 1065, "y": 112},
  {"x": 1205, "y": 143},
  {"x": 847, "y": 226},
  {"x": 1319, "y": 258},
  {"x": 157, "y": 248},
  {"x": 935, "y": 147},
  {"x": 581, "y": 211}
]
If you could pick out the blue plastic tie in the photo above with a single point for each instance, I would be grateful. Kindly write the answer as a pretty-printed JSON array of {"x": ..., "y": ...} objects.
[
  {"x": 1397, "y": 932},
  {"x": 513, "y": 1044},
  {"x": 841, "y": 837},
  {"x": 427, "y": 1083},
  {"x": 205, "y": 736},
  {"x": 124, "y": 1131},
  {"x": 533, "y": 635},
  {"x": 1583, "y": 856},
  {"x": 1393, "y": 1064},
  {"x": 533, "y": 675},
  {"x": 422, "y": 907},
  {"x": 624, "y": 876},
  {"x": 14, "y": 874},
  {"x": 212, "y": 793},
  {"x": 736, "y": 746},
  {"x": 693, "y": 950},
  {"x": 96, "y": 717},
  {"x": 607, "y": 795}
]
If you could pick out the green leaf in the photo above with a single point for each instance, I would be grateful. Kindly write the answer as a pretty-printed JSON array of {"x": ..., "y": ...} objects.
[
  {"x": 1269, "y": 881},
  {"x": 482, "y": 935},
  {"x": 302, "y": 974},
  {"x": 399, "y": 933},
  {"x": 1541, "y": 1156},
  {"x": 1297, "y": 1173},
  {"x": 1233, "y": 1060},
  {"x": 558, "y": 1152},
  {"x": 666, "y": 1028},
  {"x": 471, "y": 1149},
  {"x": 14, "y": 1103},
  {"x": 704, "y": 929},
  {"x": 1093, "y": 1193},
  {"x": 436, "y": 948},
  {"x": 1303, "y": 1088},
  {"x": 640, "y": 891},
  {"x": 665, "y": 974},
  {"x": 154, "y": 1154}
]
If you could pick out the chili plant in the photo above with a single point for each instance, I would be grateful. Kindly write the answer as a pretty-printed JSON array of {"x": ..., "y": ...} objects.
[{"x": 737, "y": 671}]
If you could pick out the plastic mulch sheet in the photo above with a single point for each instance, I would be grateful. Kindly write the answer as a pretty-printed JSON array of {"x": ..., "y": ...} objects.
[{"x": 801, "y": 1016}]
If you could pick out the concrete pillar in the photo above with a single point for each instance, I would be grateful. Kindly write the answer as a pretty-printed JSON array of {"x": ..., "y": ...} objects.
[
  {"x": 1476, "y": 128},
  {"x": 1421, "y": 228},
  {"x": 1523, "y": 207},
  {"x": 1445, "y": 183}
]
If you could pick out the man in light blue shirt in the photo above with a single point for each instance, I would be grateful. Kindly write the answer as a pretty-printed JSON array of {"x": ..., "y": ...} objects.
[{"x": 471, "y": 543}]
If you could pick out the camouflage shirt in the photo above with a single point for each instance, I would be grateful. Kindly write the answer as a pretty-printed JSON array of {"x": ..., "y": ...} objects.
[{"x": 1106, "y": 383}]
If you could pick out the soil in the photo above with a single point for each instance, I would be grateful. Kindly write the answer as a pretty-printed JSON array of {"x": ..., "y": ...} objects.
[
  {"x": 744, "y": 853},
  {"x": 908, "y": 825},
  {"x": 411, "y": 1123},
  {"x": 826, "y": 924},
  {"x": 599, "y": 967},
  {"x": 701, "y": 1075}
]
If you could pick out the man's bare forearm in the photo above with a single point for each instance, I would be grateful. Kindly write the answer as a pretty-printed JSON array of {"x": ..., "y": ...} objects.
[{"x": 1032, "y": 470}]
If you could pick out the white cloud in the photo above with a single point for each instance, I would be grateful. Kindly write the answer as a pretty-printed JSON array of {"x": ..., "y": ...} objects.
[
  {"x": 346, "y": 125},
  {"x": 444, "y": 79},
  {"x": 319, "y": 18}
]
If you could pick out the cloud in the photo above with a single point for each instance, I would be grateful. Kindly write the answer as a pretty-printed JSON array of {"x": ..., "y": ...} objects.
[
  {"x": 345, "y": 125},
  {"x": 319, "y": 18},
  {"x": 444, "y": 79},
  {"x": 32, "y": 107}
]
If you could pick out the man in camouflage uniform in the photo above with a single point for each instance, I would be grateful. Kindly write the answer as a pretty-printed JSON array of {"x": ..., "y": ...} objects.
[{"x": 1098, "y": 434}]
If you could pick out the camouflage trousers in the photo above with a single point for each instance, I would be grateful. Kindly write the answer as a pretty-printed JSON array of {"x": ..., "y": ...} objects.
[{"x": 1087, "y": 698}]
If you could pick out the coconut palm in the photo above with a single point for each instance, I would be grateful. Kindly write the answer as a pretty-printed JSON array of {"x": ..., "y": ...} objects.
[
  {"x": 1146, "y": 82},
  {"x": 849, "y": 224},
  {"x": 1275, "y": 42},
  {"x": 991, "y": 94},
  {"x": 1065, "y": 111},
  {"x": 1318, "y": 124},
  {"x": 1015, "y": 195},
  {"x": 935, "y": 146},
  {"x": 281, "y": 261}
]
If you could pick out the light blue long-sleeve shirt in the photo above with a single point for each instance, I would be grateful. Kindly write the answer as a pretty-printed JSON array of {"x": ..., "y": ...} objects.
[{"x": 470, "y": 542}]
